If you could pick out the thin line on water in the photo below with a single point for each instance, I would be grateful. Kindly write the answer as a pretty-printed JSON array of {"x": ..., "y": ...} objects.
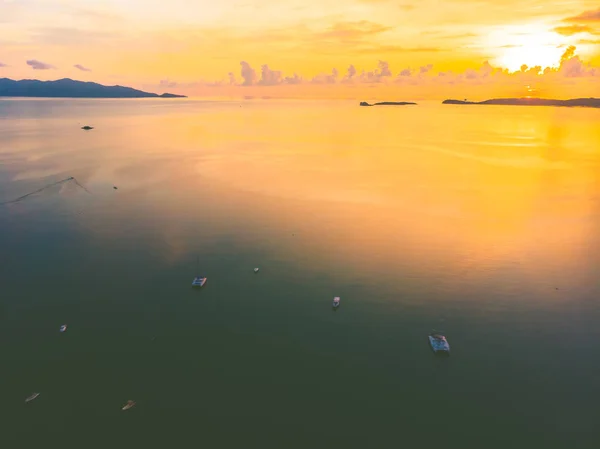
[{"x": 71, "y": 178}]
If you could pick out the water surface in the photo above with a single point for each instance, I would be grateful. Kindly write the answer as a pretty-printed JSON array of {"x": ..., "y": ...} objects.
[{"x": 480, "y": 222}]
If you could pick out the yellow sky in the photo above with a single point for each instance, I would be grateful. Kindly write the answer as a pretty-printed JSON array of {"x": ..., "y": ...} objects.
[{"x": 188, "y": 46}]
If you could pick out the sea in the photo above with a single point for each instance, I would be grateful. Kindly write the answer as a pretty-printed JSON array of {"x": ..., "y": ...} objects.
[{"x": 479, "y": 222}]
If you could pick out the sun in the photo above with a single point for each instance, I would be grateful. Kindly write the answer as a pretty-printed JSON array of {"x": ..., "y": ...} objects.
[{"x": 526, "y": 45}]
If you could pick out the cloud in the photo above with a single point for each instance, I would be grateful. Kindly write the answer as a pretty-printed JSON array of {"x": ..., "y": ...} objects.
[
  {"x": 82, "y": 68},
  {"x": 248, "y": 74},
  {"x": 571, "y": 66},
  {"x": 570, "y": 30},
  {"x": 586, "y": 16},
  {"x": 269, "y": 77},
  {"x": 71, "y": 36},
  {"x": 326, "y": 78},
  {"x": 39, "y": 65},
  {"x": 167, "y": 83},
  {"x": 3, "y": 65},
  {"x": 296, "y": 79},
  {"x": 352, "y": 31},
  {"x": 384, "y": 68},
  {"x": 350, "y": 74},
  {"x": 589, "y": 41},
  {"x": 378, "y": 49}
]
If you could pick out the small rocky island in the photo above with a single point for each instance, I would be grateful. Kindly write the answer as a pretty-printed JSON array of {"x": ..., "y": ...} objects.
[
  {"x": 387, "y": 103},
  {"x": 576, "y": 102}
]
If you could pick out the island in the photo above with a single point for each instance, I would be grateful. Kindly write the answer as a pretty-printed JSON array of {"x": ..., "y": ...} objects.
[
  {"x": 575, "y": 102},
  {"x": 68, "y": 88},
  {"x": 387, "y": 103}
]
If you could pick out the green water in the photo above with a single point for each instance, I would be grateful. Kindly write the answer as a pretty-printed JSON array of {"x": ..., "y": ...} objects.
[{"x": 484, "y": 224}]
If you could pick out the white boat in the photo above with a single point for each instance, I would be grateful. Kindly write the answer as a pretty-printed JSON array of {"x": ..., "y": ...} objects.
[
  {"x": 63, "y": 328},
  {"x": 439, "y": 344},
  {"x": 256, "y": 270},
  {"x": 198, "y": 281},
  {"x": 32, "y": 397},
  {"x": 129, "y": 404},
  {"x": 336, "y": 301}
]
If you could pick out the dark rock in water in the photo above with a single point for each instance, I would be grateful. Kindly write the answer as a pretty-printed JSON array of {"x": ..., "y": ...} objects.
[
  {"x": 115, "y": 187},
  {"x": 168, "y": 95},
  {"x": 388, "y": 103},
  {"x": 87, "y": 128}
]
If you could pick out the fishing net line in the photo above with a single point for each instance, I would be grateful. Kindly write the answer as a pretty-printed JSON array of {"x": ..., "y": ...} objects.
[{"x": 62, "y": 181}]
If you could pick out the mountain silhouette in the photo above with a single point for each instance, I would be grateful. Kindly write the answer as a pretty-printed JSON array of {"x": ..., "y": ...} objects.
[{"x": 68, "y": 88}]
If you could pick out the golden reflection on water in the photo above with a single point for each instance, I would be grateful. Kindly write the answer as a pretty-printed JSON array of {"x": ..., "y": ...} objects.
[{"x": 466, "y": 188}]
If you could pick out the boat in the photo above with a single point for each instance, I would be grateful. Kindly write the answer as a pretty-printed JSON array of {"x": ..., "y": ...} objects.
[
  {"x": 336, "y": 301},
  {"x": 439, "y": 344},
  {"x": 129, "y": 404},
  {"x": 32, "y": 397},
  {"x": 198, "y": 281},
  {"x": 256, "y": 270},
  {"x": 63, "y": 328}
]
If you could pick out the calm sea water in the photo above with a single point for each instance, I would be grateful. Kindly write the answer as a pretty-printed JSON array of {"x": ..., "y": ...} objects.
[{"x": 481, "y": 222}]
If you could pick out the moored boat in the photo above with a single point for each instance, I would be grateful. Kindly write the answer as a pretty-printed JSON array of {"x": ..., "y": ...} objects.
[
  {"x": 198, "y": 281},
  {"x": 129, "y": 404},
  {"x": 439, "y": 344},
  {"x": 32, "y": 397}
]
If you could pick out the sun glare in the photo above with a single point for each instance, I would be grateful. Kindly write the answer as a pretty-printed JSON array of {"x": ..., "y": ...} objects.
[{"x": 526, "y": 45}]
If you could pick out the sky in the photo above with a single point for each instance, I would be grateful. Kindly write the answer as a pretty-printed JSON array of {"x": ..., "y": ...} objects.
[{"x": 316, "y": 48}]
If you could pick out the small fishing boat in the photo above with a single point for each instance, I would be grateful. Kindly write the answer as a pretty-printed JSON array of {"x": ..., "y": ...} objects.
[
  {"x": 198, "y": 281},
  {"x": 439, "y": 344},
  {"x": 63, "y": 328},
  {"x": 256, "y": 270},
  {"x": 336, "y": 302},
  {"x": 129, "y": 404},
  {"x": 32, "y": 397}
]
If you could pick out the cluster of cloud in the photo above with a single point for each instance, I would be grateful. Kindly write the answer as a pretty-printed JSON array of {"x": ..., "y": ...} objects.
[
  {"x": 269, "y": 77},
  {"x": 36, "y": 64},
  {"x": 570, "y": 66},
  {"x": 586, "y": 22},
  {"x": 39, "y": 65}
]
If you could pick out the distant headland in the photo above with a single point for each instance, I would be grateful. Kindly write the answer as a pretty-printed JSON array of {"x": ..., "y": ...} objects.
[
  {"x": 68, "y": 88},
  {"x": 387, "y": 103},
  {"x": 576, "y": 102}
]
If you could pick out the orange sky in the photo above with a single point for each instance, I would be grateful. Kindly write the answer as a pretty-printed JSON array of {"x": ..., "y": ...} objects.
[{"x": 322, "y": 48}]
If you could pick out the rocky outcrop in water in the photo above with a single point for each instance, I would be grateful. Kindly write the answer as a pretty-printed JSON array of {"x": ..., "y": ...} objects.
[
  {"x": 387, "y": 103},
  {"x": 576, "y": 102}
]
